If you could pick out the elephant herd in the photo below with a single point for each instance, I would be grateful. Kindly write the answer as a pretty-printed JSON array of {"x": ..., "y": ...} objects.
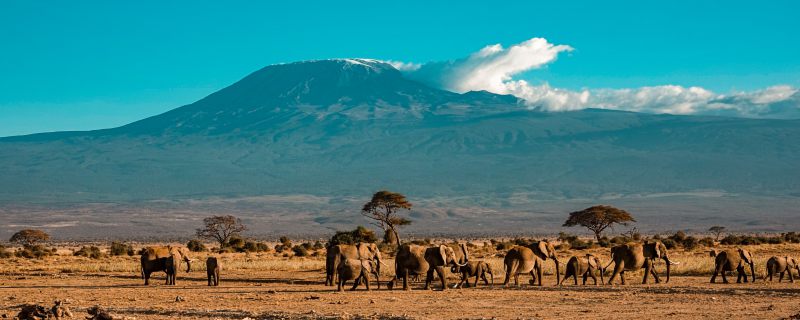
[
  {"x": 168, "y": 259},
  {"x": 357, "y": 262}
]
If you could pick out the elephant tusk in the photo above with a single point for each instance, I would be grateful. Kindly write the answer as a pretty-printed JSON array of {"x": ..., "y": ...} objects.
[
  {"x": 674, "y": 263},
  {"x": 460, "y": 264}
]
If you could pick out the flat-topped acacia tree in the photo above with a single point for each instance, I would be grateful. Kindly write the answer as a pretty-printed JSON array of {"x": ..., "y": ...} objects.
[
  {"x": 29, "y": 237},
  {"x": 598, "y": 218},
  {"x": 383, "y": 209}
]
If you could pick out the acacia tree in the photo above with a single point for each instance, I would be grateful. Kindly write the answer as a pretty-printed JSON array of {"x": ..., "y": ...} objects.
[
  {"x": 221, "y": 228},
  {"x": 29, "y": 237},
  {"x": 717, "y": 231},
  {"x": 382, "y": 208},
  {"x": 598, "y": 218}
]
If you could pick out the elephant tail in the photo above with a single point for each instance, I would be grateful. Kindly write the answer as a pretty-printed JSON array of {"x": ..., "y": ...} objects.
[{"x": 603, "y": 269}]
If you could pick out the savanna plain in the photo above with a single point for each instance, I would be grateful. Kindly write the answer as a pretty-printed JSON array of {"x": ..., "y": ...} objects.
[{"x": 273, "y": 285}]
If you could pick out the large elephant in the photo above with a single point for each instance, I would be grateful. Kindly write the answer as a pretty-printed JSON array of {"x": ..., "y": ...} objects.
[
  {"x": 523, "y": 260},
  {"x": 413, "y": 259},
  {"x": 154, "y": 260},
  {"x": 634, "y": 256},
  {"x": 338, "y": 253},
  {"x": 583, "y": 266},
  {"x": 726, "y": 261},
  {"x": 781, "y": 265}
]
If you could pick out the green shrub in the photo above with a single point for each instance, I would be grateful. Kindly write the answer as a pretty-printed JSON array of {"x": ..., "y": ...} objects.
[
  {"x": 284, "y": 240},
  {"x": 5, "y": 253},
  {"x": 318, "y": 245},
  {"x": 678, "y": 237},
  {"x": 34, "y": 252},
  {"x": 707, "y": 241},
  {"x": 262, "y": 247},
  {"x": 359, "y": 234},
  {"x": 196, "y": 246},
  {"x": 690, "y": 243},
  {"x": 604, "y": 242},
  {"x": 120, "y": 249},
  {"x": 300, "y": 251},
  {"x": 90, "y": 252},
  {"x": 235, "y": 242},
  {"x": 669, "y": 243},
  {"x": 791, "y": 237}
]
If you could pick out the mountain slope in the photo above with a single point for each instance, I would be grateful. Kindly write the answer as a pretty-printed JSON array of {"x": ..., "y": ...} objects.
[{"x": 349, "y": 127}]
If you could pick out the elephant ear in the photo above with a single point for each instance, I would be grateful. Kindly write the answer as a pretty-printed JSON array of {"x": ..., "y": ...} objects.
[
  {"x": 592, "y": 261},
  {"x": 542, "y": 250},
  {"x": 465, "y": 251},
  {"x": 659, "y": 249},
  {"x": 746, "y": 256},
  {"x": 443, "y": 253}
]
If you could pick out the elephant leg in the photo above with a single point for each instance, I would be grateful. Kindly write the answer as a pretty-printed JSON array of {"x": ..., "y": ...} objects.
[
  {"x": 146, "y": 278},
  {"x": 655, "y": 274},
  {"x": 594, "y": 277},
  {"x": 216, "y": 278},
  {"x": 356, "y": 282},
  {"x": 648, "y": 267},
  {"x": 617, "y": 271},
  {"x": 533, "y": 276},
  {"x": 429, "y": 278},
  {"x": 405, "y": 280},
  {"x": 739, "y": 274},
  {"x": 780, "y": 278},
  {"x": 717, "y": 270},
  {"x": 441, "y": 274},
  {"x": 585, "y": 277},
  {"x": 463, "y": 279},
  {"x": 622, "y": 277},
  {"x": 477, "y": 278},
  {"x": 791, "y": 277},
  {"x": 485, "y": 281},
  {"x": 539, "y": 274},
  {"x": 516, "y": 280},
  {"x": 340, "y": 287},
  {"x": 366, "y": 282}
]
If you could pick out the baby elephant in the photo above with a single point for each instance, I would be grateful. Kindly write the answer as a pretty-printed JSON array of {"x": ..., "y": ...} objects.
[
  {"x": 583, "y": 266},
  {"x": 782, "y": 265},
  {"x": 212, "y": 270},
  {"x": 357, "y": 270},
  {"x": 477, "y": 269}
]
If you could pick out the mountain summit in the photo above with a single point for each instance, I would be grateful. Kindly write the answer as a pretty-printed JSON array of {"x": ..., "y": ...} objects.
[{"x": 347, "y": 127}]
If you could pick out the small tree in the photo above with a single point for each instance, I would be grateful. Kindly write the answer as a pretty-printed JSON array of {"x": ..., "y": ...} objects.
[
  {"x": 383, "y": 209},
  {"x": 29, "y": 237},
  {"x": 221, "y": 228},
  {"x": 717, "y": 231},
  {"x": 598, "y": 218}
]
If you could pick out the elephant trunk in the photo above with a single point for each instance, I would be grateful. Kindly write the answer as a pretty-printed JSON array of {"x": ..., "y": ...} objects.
[
  {"x": 558, "y": 271},
  {"x": 753, "y": 271},
  {"x": 669, "y": 266},
  {"x": 188, "y": 265}
]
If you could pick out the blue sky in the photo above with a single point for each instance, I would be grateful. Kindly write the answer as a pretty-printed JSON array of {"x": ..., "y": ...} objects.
[{"x": 96, "y": 64}]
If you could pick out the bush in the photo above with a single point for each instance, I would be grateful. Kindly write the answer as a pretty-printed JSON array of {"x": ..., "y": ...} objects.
[
  {"x": 791, "y": 237},
  {"x": 318, "y": 246},
  {"x": 284, "y": 240},
  {"x": 279, "y": 248},
  {"x": 604, "y": 242},
  {"x": 678, "y": 236},
  {"x": 359, "y": 234},
  {"x": 300, "y": 251},
  {"x": 690, "y": 243},
  {"x": 669, "y": 243},
  {"x": 707, "y": 241},
  {"x": 235, "y": 242},
  {"x": 121, "y": 249},
  {"x": 196, "y": 246},
  {"x": 262, "y": 247},
  {"x": 90, "y": 252},
  {"x": 34, "y": 252},
  {"x": 5, "y": 253}
]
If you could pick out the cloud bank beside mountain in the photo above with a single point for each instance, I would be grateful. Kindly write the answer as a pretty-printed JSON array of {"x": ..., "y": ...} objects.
[{"x": 494, "y": 68}]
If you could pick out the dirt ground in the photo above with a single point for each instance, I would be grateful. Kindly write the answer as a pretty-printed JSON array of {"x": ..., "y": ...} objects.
[{"x": 301, "y": 295}]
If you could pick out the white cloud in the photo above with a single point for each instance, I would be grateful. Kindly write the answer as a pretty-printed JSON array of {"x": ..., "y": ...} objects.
[{"x": 493, "y": 68}]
